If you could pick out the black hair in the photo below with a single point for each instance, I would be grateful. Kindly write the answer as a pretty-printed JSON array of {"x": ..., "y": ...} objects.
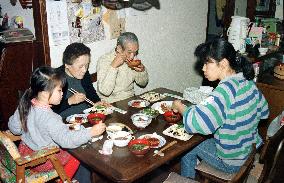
[
  {"x": 43, "y": 78},
  {"x": 218, "y": 49},
  {"x": 126, "y": 37},
  {"x": 73, "y": 51}
]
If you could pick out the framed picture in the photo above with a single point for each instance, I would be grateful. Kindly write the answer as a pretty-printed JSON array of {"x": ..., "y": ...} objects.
[{"x": 265, "y": 8}]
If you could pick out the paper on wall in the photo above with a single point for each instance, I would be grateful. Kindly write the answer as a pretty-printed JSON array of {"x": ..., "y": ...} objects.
[{"x": 58, "y": 31}]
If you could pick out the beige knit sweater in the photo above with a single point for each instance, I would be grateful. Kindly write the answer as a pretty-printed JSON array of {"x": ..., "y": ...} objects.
[{"x": 116, "y": 84}]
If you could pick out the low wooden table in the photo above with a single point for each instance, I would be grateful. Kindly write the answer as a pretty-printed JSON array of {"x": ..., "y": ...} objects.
[{"x": 122, "y": 165}]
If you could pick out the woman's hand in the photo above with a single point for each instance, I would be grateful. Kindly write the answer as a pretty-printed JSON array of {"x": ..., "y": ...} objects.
[
  {"x": 98, "y": 129},
  {"x": 178, "y": 106},
  {"x": 76, "y": 98}
]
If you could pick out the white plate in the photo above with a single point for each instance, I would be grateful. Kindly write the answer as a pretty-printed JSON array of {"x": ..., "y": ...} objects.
[
  {"x": 138, "y": 103},
  {"x": 157, "y": 106},
  {"x": 71, "y": 119},
  {"x": 177, "y": 132},
  {"x": 152, "y": 96},
  {"x": 99, "y": 109},
  {"x": 154, "y": 135}
]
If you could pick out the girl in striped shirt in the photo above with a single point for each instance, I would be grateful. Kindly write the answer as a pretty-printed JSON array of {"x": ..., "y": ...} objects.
[{"x": 231, "y": 113}]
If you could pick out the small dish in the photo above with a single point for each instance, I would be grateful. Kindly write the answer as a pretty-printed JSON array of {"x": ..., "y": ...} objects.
[
  {"x": 171, "y": 117},
  {"x": 139, "y": 147},
  {"x": 96, "y": 118},
  {"x": 138, "y": 103},
  {"x": 163, "y": 106},
  {"x": 134, "y": 63},
  {"x": 262, "y": 51},
  {"x": 77, "y": 118},
  {"x": 141, "y": 120}
]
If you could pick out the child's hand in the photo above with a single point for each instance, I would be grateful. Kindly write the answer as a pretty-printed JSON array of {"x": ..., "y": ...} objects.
[{"x": 98, "y": 129}]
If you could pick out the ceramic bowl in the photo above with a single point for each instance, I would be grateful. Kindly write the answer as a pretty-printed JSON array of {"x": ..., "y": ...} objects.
[
  {"x": 139, "y": 147},
  {"x": 95, "y": 118},
  {"x": 121, "y": 138},
  {"x": 134, "y": 63},
  {"x": 172, "y": 117},
  {"x": 141, "y": 120},
  {"x": 262, "y": 51}
]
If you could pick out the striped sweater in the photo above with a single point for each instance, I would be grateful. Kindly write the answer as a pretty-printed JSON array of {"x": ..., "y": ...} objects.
[{"x": 231, "y": 113}]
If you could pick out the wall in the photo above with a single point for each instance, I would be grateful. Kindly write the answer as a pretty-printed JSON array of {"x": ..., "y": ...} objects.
[{"x": 167, "y": 38}]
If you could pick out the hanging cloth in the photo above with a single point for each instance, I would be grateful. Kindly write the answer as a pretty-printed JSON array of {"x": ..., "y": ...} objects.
[{"x": 220, "y": 6}]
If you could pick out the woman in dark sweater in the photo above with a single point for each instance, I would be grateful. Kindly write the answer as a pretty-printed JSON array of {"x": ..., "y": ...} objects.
[{"x": 76, "y": 60}]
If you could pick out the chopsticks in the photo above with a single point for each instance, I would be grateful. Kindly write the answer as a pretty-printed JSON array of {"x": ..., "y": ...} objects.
[
  {"x": 166, "y": 147},
  {"x": 92, "y": 103},
  {"x": 86, "y": 99}
]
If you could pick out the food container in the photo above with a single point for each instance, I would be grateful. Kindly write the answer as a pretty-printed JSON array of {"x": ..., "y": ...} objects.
[
  {"x": 134, "y": 63},
  {"x": 121, "y": 138},
  {"x": 172, "y": 117},
  {"x": 139, "y": 147},
  {"x": 95, "y": 118},
  {"x": 141, "y": 120}
]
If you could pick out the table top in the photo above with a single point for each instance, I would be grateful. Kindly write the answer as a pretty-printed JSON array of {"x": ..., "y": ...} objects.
[{"x": 122, "y": 165}]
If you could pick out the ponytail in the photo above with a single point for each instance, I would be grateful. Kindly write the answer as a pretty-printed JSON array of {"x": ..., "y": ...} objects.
[
  {"x": 24, "y": 107},
  {"x": 244, "y": 66}
]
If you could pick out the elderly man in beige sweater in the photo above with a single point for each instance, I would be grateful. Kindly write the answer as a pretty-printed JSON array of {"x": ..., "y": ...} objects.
[{"x": 115, "y": 78}]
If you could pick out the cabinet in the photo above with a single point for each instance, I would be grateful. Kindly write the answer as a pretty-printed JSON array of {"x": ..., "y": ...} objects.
[
  {"x": 272, "y": 89},
  {"x": 16, "y": 65}
]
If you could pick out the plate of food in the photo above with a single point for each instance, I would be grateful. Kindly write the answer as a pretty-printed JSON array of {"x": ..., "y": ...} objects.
[
  {"x": 138, "y": 103},
  {"x": 152, "y": 96},
  {"x": 163, "y": 106},
  {"x": 177, "y": 131},
  {"x": 77, "y": 118},
  {"x": 155, "y": 140},
  {"x": 112, "y": 128},
  {"x": 99, "y": 109},
  {"x": 153, "y": 113}
]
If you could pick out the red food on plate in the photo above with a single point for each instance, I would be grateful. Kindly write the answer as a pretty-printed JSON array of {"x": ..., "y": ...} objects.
[
  {"x": 136, "y": 103},
  {"x": 154, "y": 142}
]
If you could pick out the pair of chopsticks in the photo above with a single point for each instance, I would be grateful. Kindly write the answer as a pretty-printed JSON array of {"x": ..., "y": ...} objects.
[
  {"x": 92, "y": 103},
  {"x": 166, "y": 147},
  {"x": 86, "y": 99}
]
